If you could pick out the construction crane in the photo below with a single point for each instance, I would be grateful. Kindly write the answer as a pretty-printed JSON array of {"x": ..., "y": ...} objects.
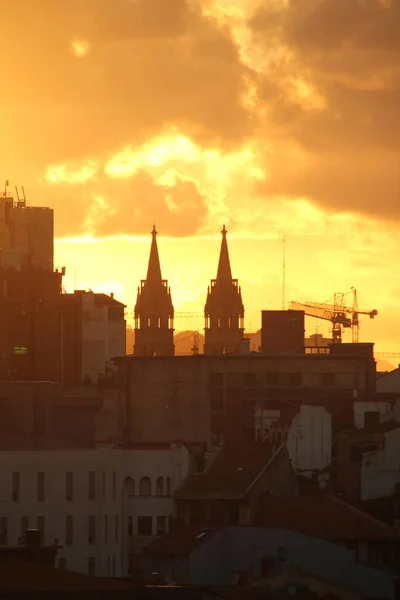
[{"x": 340, "y": 315}]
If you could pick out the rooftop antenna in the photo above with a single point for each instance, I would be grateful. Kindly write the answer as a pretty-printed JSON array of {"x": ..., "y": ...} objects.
[
  {"x": 6, "y": 184},
  {"x": 283, "y": 238}
]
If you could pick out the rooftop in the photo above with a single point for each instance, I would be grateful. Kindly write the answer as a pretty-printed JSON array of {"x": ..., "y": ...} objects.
[
  {"x": 321, "y": 515},
  {"x": 180, "y": 541},
  {"x": 29, "y": 442},
  {"x": 17, "y": 577},
  {"x": 231, "y": 473}
]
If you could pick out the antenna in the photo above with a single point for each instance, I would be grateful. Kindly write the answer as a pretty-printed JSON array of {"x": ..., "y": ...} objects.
[{"x": 283, "y": 270}]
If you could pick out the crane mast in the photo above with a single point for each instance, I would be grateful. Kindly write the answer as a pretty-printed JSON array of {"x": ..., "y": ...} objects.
[{"x": 340, "y": 315}]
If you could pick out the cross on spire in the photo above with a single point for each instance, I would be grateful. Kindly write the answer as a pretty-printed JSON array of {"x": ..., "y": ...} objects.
[
  {"x": 224, "y": 266},
  {"x": 154, "y": 268}
]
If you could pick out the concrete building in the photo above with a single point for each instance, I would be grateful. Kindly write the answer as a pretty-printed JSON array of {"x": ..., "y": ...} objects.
[
  {"x": 220, "y": 557},
  {"x": 209, "y": 399},
  {"x": 154, "y": 311},
  {"x": 282, "y": 332},
  {"x": 93, "y": 332},
  {"x": 380, "y": 468},
  {"x": 224, "y": 310},
  {"x": 101, "y": 506},
  {"x": 26, "y": 234},
  {"x": 30, "y": 324},
  {"x": 229, "y": 489}
]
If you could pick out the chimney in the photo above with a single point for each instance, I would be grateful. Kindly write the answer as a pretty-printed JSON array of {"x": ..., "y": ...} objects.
[
  {"x": 112, "y": 295},
  {"x": 245, "y": 346}
]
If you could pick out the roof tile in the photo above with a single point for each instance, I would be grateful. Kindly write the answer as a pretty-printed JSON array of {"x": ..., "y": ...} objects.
[{"x": 231, "y": 472}]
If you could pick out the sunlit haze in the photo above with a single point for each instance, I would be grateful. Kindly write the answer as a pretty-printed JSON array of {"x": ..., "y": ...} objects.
[{"x": 270, "y": 117}]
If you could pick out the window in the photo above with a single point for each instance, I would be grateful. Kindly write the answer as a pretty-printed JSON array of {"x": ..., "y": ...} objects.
[
  {"x": 249, "y": 378},
  {"x": 294, "y": 378},
  {"x": 281, "y": 553},
  {"x": 130, "y": 526},
  {"x": 248, "y": 433},
  {"x": 92, "y": 566},
  {"x": 217, "y": 399},
  {"x": 293, "y": 322},
  {"x": 92, "y": 486},
  {"x": 69, "y": 531},
  {"x": 40, "y": 486},
  {"x": 91, "y": 529},
  {"x": 216, "y": 378},
  {"x": 24, "y": 527},
  {"x": 129, "y": 486},
  {"x": 69, "y": 486},
  {"x": 168, "y": 486},
  {"x": 113, "y": 563},
  {"x": 103, "y": 484},
  {"x": 62, "y": 564},
  {"x": 106, "y": 529},
  {"x": 161, "y": 525},
  {"x": 328, "y": 379},
  {"x": 371, "y": 419},
  {"x": 114, "y": 484},
  {"x": 145, "y": 526},
  {"x": 3, "y": 530},
  {"x": 249, "y": 407},
  {"x": 272, "y": 378},
  {"x": 233, "y": 513},
  {"x": 116, "y": 528},
  {"x": 159, "y": 486},
  {"x": 15, "y": 487},
  {"x": 40, "y": 526},
  {"x": 145, "y": 486}
]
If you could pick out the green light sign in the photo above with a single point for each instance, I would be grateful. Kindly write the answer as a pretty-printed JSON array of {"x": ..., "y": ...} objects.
[{"x": 20, "y": 350}]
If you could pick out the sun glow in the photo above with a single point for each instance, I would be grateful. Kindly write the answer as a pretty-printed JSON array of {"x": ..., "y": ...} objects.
[{"x": 80, "y": 48}]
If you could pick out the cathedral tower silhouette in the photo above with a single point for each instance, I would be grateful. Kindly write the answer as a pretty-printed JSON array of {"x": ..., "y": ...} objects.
[
  {"x": 224, "y": 310},
  {"x": 154, "y": 311}
]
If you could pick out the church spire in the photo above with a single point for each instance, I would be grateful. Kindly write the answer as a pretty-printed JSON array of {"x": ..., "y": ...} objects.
[
  {"x": 154, "y": 311},
  {"x": 224, "y": 266},
  {"x": 224, "y": 310},
  {"x": 154, "y": 269}
]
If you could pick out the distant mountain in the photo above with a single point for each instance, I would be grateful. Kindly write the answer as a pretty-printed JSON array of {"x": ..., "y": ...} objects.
[{"x": 183, "y": 340}]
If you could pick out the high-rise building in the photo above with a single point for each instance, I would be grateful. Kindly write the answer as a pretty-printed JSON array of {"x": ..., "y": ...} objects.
[
  {"x": 154, "y": 311},
  {"x": 224, "y": 310},
  {"x": 30, "y": 320},
  {"x": 26, "y": 234}
]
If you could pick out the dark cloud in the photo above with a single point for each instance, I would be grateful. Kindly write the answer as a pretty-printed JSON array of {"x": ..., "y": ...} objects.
[
  {"x": 151, "y": 63},
  {"x": 349, "y": 52}
]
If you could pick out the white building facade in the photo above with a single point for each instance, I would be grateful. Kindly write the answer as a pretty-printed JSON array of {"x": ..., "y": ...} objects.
[
  {"x": 380, "y": 470},
  {"x": 309, "y": 440},
  {"x": 103, "y": 333},
  {"x": 94, "y": 504},
  {"x": 308, "y": 435}
]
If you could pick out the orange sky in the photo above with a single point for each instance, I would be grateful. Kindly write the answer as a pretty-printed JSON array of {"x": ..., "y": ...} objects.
[{"x": 270, "y": 117}]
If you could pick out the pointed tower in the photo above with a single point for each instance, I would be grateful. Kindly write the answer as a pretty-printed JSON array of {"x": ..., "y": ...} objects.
[
  {"x": 154, "y": 312},
  {"x": 224, "y": 310}
]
